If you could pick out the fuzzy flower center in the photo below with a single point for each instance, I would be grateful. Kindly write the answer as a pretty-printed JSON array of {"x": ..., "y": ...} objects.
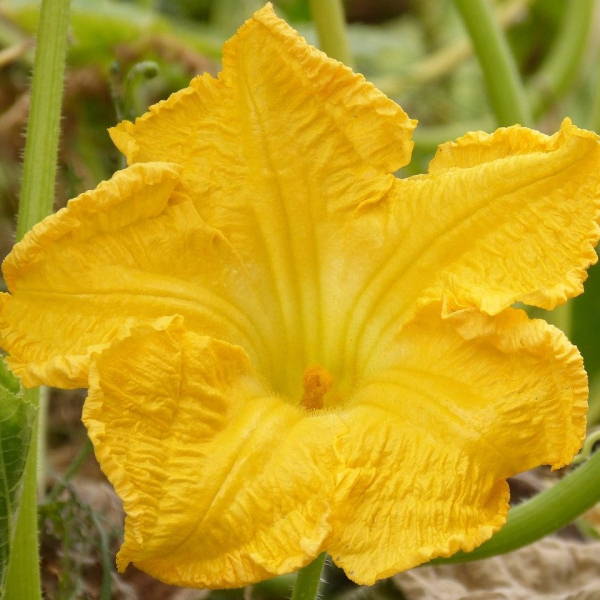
[{"x": 317, "y": 382}]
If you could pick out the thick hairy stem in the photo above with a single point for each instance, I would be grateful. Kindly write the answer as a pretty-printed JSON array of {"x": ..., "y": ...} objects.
[{"x": 35, "y": 202}]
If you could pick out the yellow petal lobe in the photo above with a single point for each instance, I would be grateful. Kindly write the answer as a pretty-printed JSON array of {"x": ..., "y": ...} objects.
[
  {"x": 124, "y": 253},
  {"x": 506, "y": 226},
  {"x": 549, "y": 188},
  {"x": 222, "y": 483},
  {"x": 444, "y": 416},
  {"x": 357, "y": 112},
  {"x": 403, "y": 497}
]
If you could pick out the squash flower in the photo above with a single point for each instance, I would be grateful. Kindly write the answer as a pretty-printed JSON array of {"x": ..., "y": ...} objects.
[{"x": 290, "y": 350}]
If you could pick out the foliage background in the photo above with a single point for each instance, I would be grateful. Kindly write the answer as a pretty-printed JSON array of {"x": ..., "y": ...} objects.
[{"x": 125, "y": 55}]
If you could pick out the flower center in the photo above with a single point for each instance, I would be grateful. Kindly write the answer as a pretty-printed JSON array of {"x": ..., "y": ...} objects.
[{"x": 317, "y": 382}]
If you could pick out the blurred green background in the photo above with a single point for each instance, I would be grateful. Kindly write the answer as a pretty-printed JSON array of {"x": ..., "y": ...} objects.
[{"x": 126, "y": 55}]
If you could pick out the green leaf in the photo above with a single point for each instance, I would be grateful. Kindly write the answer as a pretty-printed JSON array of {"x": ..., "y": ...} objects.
[
  {"x": 8, "y": 381},
  {"x": 16, "y": 424}
]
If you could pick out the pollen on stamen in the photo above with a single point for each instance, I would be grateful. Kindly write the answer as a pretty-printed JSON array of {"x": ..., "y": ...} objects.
[{"x": 317, "y": 382}]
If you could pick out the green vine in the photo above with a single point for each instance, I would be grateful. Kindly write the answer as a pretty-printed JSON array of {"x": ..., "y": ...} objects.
[
  {"x": 330, "y": 22},
  {"x": 503, "y": 83},
  {"x": 35, "y": 202},
  {"x": 309, "y": 579},
  {"x": 562, "y": 64}
]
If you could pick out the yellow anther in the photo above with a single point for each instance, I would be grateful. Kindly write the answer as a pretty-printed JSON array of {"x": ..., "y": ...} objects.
[{"x": 317, "y": 382}]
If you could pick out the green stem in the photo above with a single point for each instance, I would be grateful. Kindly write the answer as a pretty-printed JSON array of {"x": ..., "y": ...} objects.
[
  {"x": 502, "y": 80},
  {"x": 330, "y": 22},
  {"x": 562, "y": 63},
  {"x": 35, "y": 202},
  {"x": 23, "y": 574},
  {"x": 309, "y": 579},
  {"x": 227, "y": 15},
  {"x": 593, "y": 121},
  {"x": 545, "y": 513},
  {"x": 39, "y": 166},
  {"x": 277, "y": 587},
  {"x": 443, "y": 61},
  {"x": 42, "y": 425},
  {"x": 588, "y": 447}
]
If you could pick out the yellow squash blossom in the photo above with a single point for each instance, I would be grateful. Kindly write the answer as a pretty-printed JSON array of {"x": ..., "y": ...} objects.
[{"x": 288, "y": 349}]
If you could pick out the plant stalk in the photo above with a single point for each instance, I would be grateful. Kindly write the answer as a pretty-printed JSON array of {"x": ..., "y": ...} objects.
[
  {"x": 503, "y": 83},
  {"x": 562, "y": 63},
  {"x": 593, "y": 120},
  {"x": 23, "y": 573},
  {"x": 35, "y": 202},
  {"x": 309, "y": 579},
  {"x": 36, "y": 197},
  {"x": 329, "y": 19}
]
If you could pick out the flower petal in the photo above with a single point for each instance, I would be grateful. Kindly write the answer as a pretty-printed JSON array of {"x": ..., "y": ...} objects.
[
  {"x": 455, "y": 407},
  {"x": 519, "y": 381},
  {"x": 507, "y": 217},
  {"x": 267, "y": 60},
  {"x": 126, "y": 252},
  {"x": 276, "y": 154},
  {"x": 477, "y": 147},
  {"x": 222, "y": 483},
  {"x": 404, "y": 497},
  {"x": 537, "y": 198}
]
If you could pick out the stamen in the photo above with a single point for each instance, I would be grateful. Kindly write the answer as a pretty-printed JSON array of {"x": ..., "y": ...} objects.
[{"x": 317, "y": 382}]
